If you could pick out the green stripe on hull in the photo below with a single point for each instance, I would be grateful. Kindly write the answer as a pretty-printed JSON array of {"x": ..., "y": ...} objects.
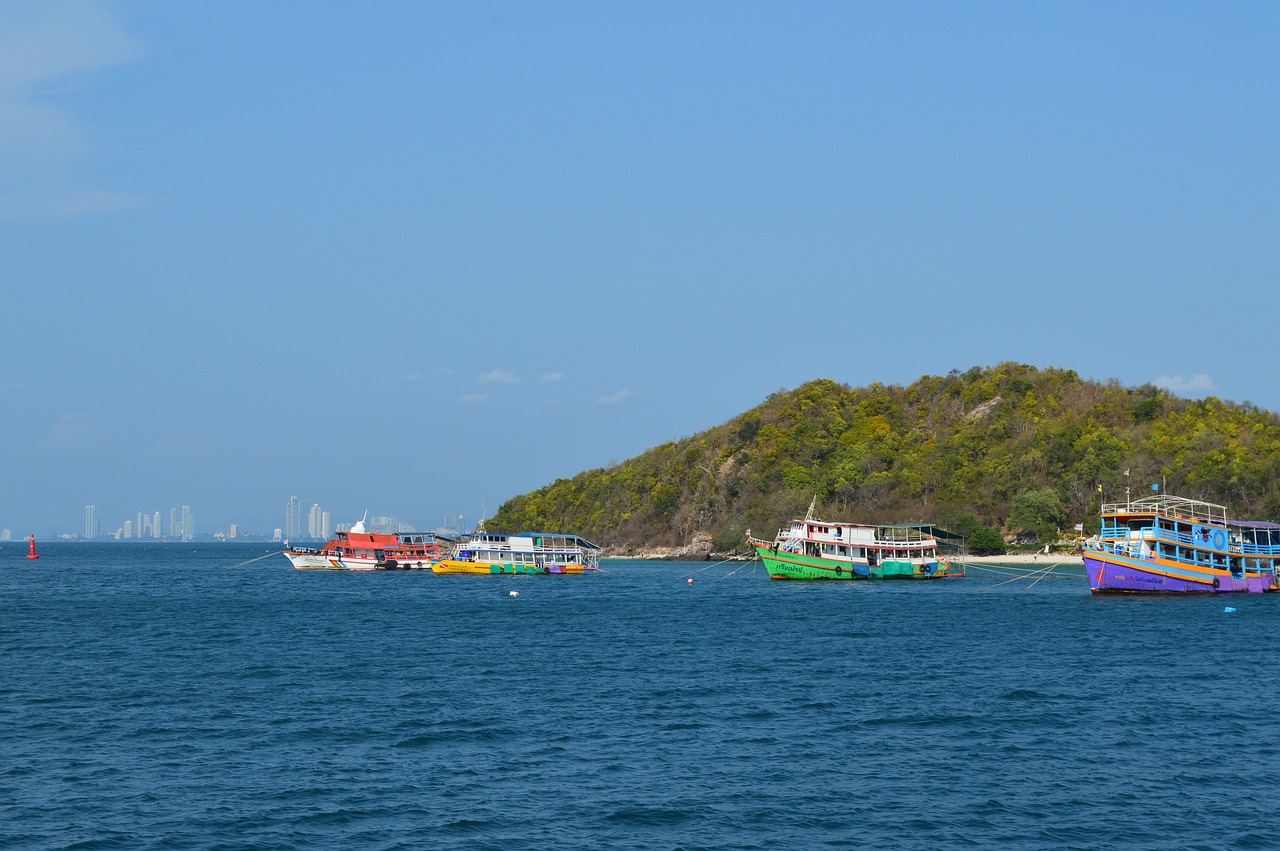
[
  {"x": 516, "y": 568},
  {"x": 783, "y": 565}
]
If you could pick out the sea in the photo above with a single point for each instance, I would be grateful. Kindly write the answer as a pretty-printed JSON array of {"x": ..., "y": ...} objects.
[{"x": 182, "y": 696}]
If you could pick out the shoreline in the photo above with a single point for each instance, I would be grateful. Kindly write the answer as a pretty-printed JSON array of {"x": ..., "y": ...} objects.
[{"x": 1019, "y": 560}]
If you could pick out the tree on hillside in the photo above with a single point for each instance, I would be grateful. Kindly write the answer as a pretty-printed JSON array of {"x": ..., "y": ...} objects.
[{"x": 1038, "y": 512}]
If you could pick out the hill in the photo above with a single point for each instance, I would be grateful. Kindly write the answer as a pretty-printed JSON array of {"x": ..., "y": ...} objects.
[{"x": 1009, "y": 448}]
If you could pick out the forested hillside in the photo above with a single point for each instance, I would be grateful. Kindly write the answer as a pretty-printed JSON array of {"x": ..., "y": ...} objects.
[{"x": 1008, "y": 449}]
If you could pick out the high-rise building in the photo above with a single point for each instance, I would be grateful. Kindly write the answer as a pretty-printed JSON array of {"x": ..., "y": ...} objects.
[
  {"x": 188, "y": 524},
  {"x": 276, "y": 537},
  {"x": 315, "y": 521},
  {"x": 326, "y": 530},
  {"x": 139, "y": 528},
  {"x": 173, "y": 522},
  {"x": 156, "y": 528},
  {"x": 128, "y": 529},
  {"x": 293, "y": 518},
  {"x": 235, "y": 530},
  {"x": 90, "y": 522}
]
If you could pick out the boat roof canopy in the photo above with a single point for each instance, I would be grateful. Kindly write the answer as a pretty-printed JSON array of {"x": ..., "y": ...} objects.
[
  {"x": 574, "y": 539},
  {"x": 1169, "y": 505}
]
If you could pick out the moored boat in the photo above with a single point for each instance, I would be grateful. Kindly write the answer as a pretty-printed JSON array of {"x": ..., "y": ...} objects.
[
  {"x": 1172, "y": 545},
  {"x": 363, "y": 550},
  {"x": 527, "y": 552},
  {"x": 820, "y": 549}
]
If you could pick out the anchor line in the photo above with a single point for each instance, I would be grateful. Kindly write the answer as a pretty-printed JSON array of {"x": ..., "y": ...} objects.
[
  {"x": 717, "y": 564},
  {"x": 1041, "y": 574},
  {"x": 252, "y": 560},
  {"x": 1046, "y": 573}
]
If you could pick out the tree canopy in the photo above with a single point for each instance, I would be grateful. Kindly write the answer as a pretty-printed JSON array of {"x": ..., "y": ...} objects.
[{"x": 1016, "y": 448}]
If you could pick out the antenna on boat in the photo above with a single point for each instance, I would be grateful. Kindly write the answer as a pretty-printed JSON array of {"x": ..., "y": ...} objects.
[{"x": 808, "y": 515}]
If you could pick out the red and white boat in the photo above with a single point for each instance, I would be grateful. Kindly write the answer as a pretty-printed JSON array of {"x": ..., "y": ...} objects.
[{"x": 361, "y": 550}]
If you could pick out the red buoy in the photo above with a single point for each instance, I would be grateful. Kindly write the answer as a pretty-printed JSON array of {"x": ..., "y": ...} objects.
[{"x": 32, "y": 553}]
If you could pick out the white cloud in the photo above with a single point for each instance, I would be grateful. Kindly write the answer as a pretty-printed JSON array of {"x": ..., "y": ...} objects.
[
  {"x": 552, "y": 376},
  {"x": 1197, "y": 385},
  {"x": 620, "y": 396},
  {"x": 43, "y": 48},
  {"x": 411, "y": 376},
  {"x": 75, "y": 429},
  {"x": 499, "y": 376},
  {"x": 473, "y": 398}
]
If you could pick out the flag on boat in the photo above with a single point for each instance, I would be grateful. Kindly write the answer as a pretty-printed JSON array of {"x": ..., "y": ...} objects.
[
  {"x": 1155, "y": 486},
  {"x": 1099, "y": 487},
  {"x": 1126, "y": 472},
  {"x": 1079, "y": 527},
  {"x": 286, "y": 542}
]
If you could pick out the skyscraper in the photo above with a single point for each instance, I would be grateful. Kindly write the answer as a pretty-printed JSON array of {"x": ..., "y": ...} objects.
[
  {"x": 173, "y": 522},
  {"x": 326, "y": 530},
  {"x": 90, "y": 522},
  {"x": 156, "y": 528},
  {"x": 313, "y": 521},
  {"x": 293, "y": 518},
  {"x": 188, "y": 524}
]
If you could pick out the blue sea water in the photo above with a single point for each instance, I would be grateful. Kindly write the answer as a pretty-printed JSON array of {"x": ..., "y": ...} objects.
[{"x": 157, "y": 697}]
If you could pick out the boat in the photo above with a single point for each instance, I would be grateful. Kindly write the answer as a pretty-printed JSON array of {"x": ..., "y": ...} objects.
[
  {"x": 1166, "y": 544},
  {"x": 821, "y": 549},
  {"x": 526, "y": 552},
  {"x": 363, "y": 550}
]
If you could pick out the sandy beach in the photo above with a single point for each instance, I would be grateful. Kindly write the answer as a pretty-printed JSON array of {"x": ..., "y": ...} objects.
[{"x": 1033, "y": 560}]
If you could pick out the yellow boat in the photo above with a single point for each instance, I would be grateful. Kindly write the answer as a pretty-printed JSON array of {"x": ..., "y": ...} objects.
[{"x": 527, "y": 552}]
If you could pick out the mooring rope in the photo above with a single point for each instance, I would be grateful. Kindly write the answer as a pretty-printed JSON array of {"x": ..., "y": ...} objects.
[
  {"x": 1046, "y": 573},
  {"x": 252, "y": 560},
  {"x": 717, "y": 564},
  {"x": 1040, "y": 573}
]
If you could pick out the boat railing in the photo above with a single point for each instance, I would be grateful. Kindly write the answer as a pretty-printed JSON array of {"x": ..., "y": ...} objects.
[
  {"x": 1147, "y": 533},
  {"x": 1180, "y": 507}
]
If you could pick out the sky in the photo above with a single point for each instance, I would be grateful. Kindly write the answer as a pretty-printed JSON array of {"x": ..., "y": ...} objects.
[{"x": 419, "y": 258}]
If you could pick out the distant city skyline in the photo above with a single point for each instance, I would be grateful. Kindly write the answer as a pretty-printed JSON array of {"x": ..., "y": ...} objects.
[{"x": 144, "y": 525}]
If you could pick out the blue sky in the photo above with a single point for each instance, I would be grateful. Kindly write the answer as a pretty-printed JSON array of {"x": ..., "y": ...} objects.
[{"x": 417, "y": 258}]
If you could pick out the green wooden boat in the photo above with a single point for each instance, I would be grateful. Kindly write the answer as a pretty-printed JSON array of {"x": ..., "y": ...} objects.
[{"x": 820, "y": 549}]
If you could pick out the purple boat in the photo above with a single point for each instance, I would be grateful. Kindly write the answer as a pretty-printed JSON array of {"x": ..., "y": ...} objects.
[{"x": 1171, "y": 545}]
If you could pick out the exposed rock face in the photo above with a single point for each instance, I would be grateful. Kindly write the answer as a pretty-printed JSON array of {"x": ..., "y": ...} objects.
[
  {"x": 982, "y": 410},
  {"x": 699, "y": 549}
]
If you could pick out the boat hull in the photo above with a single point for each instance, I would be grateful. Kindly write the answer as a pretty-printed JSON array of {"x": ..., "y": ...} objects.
[
  {"x": 486, "y": 568},
  {"x": 1116, "y": 574},
  {"x": 784, "y": 565},
  {"x": 328, "y": 561},
  {"x": 319, "y": 561}
]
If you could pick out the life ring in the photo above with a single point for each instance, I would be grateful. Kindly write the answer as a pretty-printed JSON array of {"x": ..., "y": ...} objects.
[
  {"x": 839, "y": 570},
  {"x": 1216, "y": 583},
  {"x": 1219, "y": 539}
]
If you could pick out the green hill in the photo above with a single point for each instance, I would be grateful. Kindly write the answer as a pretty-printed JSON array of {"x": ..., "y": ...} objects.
[{"x": 1011, "y": 448}]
